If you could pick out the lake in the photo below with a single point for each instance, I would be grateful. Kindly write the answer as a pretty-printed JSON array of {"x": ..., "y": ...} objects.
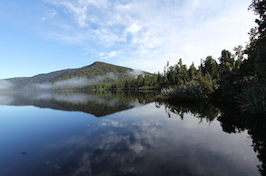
[{"x": 119, "y": 133}]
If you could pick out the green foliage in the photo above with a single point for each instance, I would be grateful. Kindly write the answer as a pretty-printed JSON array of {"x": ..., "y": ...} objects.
[
  {"x": 200, "y": 88},
  {"x": 190, "y": 89},
  {"x": 210, "y": 66},
  {"x": 239, "y": 54},
  {"x": 207, "y": 83},
  {"x": 253, "y": 98},
  {"x": 257, "y": 51},
  {"x": 226, "y": 60},
  {"x": 229, "y": 85},
  {"x": 192, "y": 71}
]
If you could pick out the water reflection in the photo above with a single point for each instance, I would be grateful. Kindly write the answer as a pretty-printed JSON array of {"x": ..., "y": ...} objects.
[
  {"x": 96, "y": 103},
  {"x": 140, "y": 145},
  {"x": 140, "y": 141},
  {"x": 202, "y": 111},
  {"x": 6, "y": 99},
  {"x": 232, "y": 120}
]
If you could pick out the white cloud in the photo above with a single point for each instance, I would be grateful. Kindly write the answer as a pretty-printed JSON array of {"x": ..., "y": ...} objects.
[
  {"x": 43, "y": 18},
  {"x": 121, "y": 7},
  {"x": 109, "y": 55},
  {"x": 113, "y": 54},
  {"x": 190, "y": 30},
  {"x": 79, "y": 12},
  {"x": 134, "y": 28}
]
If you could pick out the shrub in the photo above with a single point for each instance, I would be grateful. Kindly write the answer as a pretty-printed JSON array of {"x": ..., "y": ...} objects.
[
  {"x": 253, "y": 98},
  {"x": 190, "y": 89}
]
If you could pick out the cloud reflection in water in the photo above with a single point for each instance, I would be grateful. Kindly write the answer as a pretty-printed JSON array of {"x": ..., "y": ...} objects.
[
  {"x": 139, "y": 141},
  {"x": 131, "y": 144}
]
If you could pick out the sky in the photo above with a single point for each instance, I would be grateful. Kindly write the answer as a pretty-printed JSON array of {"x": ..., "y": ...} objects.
[{"x": 41, "y": 36}]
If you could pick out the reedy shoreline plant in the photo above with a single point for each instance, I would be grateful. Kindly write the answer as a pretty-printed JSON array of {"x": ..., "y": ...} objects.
[
  {"x": 189, "y": 89},
  {"x": 253, "y": 98}
]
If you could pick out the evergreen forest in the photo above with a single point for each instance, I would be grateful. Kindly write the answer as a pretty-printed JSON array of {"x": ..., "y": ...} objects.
[{"x": 237, "y": 78}]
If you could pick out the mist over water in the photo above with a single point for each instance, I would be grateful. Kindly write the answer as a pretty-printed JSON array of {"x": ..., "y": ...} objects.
[
  {"x": 73, "y": 82},
  {"x": 134, "y": 73},
  {"x": 70, "y": 83},
  {"x": 5, "y": 85},
  {"x": 80, "y": 98}
]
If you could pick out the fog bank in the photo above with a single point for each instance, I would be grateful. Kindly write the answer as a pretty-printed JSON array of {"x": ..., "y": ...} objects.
[{"x": 73, "y": 82}]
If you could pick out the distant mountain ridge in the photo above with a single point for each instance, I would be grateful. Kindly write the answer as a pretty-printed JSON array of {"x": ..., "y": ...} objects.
[{"x": 89, "y": 72}]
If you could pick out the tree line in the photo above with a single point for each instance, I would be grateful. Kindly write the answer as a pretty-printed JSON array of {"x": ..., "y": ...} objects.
[{"x": 224, "y": 79}]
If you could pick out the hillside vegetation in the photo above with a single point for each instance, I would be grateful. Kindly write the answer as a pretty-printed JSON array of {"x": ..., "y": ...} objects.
[{"x": 88, "y": 72}]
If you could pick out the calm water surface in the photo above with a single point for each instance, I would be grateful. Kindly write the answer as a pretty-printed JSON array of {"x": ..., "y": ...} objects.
[{"x": 112, "y": 134}]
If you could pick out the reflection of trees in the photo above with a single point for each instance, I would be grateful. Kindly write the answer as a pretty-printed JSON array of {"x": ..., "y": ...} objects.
[
  {"x": 143, "y": 97},
  {"x": 202, "y": 111},
  {"x": 258, "y": 136},
  {"x": 256, "y": 126},
  {"x": 233, "y": 121}
]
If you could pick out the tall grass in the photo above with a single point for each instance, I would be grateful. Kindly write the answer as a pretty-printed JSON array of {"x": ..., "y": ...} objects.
[{"x": 253, "y": 98}]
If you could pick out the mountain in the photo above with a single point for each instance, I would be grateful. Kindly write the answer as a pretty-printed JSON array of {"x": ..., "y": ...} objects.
[{"x": 94, "y": 73}]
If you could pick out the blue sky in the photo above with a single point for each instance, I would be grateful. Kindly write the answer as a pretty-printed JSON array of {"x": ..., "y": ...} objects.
[{"x": 49, "y": 35}]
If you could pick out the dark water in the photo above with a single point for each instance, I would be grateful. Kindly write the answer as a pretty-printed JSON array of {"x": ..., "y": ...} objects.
[{"x": 117, "y": 134}]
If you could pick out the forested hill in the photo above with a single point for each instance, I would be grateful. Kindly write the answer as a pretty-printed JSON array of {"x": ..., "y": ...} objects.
[{"x": 97, "y": 70}]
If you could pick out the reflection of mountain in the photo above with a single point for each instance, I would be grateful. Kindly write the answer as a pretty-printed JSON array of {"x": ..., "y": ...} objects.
[{"x": 100, "y": 104}]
